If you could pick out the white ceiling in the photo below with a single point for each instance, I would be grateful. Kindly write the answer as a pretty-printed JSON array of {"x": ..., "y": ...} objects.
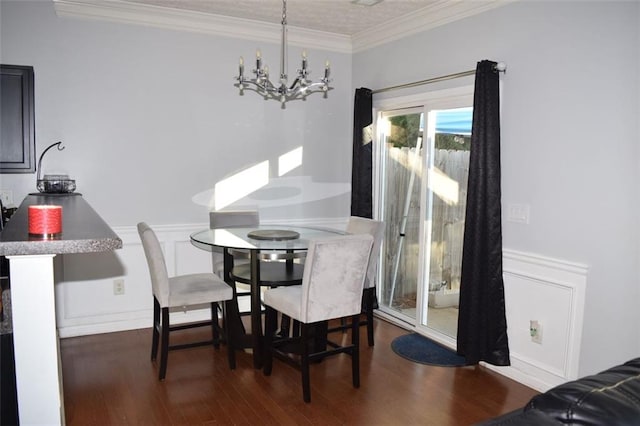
[{"x": 334, "y": 16}]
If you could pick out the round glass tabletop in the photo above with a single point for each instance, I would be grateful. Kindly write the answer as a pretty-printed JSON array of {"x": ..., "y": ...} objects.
[{"x": 241, "y": 237}]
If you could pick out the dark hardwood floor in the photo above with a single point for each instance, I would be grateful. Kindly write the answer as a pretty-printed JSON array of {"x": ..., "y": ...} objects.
[{"x": 109, "y": 380}]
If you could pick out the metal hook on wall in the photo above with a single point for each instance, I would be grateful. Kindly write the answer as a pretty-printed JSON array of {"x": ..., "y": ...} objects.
[
  {"x": 54, "y": 184},
  {"x": 60, "y": 148}
]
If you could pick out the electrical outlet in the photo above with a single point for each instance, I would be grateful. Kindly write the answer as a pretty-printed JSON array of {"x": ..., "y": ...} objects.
[
  {"x": 6, "y": 195},
  {"x": 535, "y": 330},
  {"x": 118, "y": 287}
]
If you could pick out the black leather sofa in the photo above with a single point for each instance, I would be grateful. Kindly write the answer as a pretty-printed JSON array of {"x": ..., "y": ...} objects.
[{"x": 610, "y": 398}]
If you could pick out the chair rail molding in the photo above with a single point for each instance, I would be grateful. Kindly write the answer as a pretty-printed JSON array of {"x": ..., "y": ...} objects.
[{"x": 550, "y": 291}]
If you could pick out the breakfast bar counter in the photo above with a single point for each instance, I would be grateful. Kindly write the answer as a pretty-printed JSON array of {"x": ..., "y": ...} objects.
[
  {"x": 83, "y": 230},
  {"x": 38, "y": 369}
]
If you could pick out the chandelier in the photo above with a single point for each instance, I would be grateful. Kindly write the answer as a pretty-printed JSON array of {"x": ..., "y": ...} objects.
[{"x": 281, "y": 90}]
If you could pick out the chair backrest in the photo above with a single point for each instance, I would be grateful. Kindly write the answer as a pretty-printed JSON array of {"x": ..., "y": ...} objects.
[
  {"x": 375, "y": 228},
  {"x": 333, "y": 279},
  {"x": 156, "y": 262},
  {"x": 233, "y": 218}
]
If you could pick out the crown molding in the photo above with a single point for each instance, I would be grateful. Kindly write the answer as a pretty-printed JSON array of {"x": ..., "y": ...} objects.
[
  {"x": 183, "y": 20},
  {"x": 437, "y": 14}
]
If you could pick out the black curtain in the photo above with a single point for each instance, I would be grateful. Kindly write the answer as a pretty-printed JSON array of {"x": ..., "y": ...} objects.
[
  {"x": 482, "y": 324},
  {"x": 361, "y": 179}
]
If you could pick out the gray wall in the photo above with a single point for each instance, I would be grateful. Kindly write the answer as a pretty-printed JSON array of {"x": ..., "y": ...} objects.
[
  {"x": 150, "y": 118},
  {"x": 570, "y": 144}
]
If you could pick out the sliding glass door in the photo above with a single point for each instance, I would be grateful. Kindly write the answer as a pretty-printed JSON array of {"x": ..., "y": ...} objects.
[
  {"x": 421, "y": 178},
  {"x": 401, "y": 134}
]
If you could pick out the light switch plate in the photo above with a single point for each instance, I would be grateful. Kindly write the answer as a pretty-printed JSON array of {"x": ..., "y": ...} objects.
[{"x": 518, "y": 213}]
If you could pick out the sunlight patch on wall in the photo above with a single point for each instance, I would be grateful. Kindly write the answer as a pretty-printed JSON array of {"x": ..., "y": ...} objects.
[
  {"x": 289, "y": 161},
  {"x": 442, "y": 185},
  {"x": 281, "y": 192},
  {"x": 243, "y": 183}
]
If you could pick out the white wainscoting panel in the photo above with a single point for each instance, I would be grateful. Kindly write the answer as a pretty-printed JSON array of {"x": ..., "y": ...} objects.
[
  {"x": 85, "y": 299},
  {"x": 551, "y": 292}
]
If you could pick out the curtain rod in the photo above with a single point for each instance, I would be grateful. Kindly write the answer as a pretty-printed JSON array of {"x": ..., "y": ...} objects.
[{"x": 500, "y": 66}]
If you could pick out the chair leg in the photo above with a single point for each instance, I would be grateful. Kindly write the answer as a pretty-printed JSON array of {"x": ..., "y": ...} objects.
[
  {"x": 155, "y": 332},
  {"x": 285, "y": 325},
  {"x": 270, "y": 324},
  {"x": 355, "y": 351},
  {"x": 215, "y": 326},
  {"x": 370, "y": 295},
  {"x": 164, "y": 344},
  {"x": 231, "y": 350},
  {"x": 304, "y": 362}
]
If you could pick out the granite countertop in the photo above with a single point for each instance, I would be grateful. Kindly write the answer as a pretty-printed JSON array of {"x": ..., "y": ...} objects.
[{"x": 83, "y": 230}]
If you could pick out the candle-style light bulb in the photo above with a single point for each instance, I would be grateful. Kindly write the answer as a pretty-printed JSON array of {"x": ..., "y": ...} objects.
[
  {"x": 304, "y": 59},
  {"x": 241, "y": 67},
  {"x": 327, "y": 69},
  {"x": 258, "y": 59}
]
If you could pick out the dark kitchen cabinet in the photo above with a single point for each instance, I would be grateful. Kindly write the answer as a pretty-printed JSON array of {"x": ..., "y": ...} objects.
[{"x": 17, "y": 134}]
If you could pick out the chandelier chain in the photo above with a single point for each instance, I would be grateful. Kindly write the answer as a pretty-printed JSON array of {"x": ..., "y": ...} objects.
[{"x": 284, "y": 12}]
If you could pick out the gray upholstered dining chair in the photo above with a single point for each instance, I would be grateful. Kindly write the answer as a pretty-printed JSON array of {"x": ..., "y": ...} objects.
[
  {"x": 228, "y": 218},
  {"x": 375, "y": 228},
  {"x": 182, "y": 291},
  {"x": 332, "y": 284}
]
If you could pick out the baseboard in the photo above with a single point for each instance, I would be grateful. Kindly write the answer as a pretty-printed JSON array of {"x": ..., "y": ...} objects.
[
  {"x": 104, "y": 327},
  {"x": 143, "y": 319},
  {"x": 527, "y": 375}
]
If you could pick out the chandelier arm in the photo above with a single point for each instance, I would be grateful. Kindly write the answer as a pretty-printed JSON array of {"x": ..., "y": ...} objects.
[
  {"x": 295, "y": 83},
  {"x": 320, "y": 84},
  {"x": 266, "y": 86}
]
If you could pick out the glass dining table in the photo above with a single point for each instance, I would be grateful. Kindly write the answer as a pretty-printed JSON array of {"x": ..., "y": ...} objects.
[{"x": 263, "y": 242}]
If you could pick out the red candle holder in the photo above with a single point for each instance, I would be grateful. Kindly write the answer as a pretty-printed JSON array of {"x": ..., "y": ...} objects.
[{"x": 45, "y": 221}]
